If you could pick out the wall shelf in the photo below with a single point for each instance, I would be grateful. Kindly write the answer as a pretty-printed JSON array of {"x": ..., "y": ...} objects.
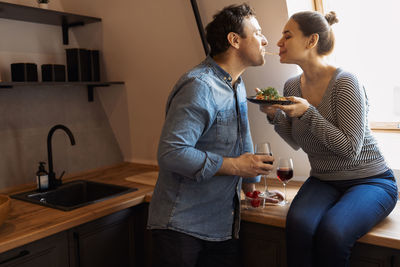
[
  {"x": 45, "y": 16},
  {"x": 90, "y": 85},
  {"x": 50, "y": 17}
]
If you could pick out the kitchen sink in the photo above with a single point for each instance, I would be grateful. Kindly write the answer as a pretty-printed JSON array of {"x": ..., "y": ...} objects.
[{"x": 74, "y": 194}]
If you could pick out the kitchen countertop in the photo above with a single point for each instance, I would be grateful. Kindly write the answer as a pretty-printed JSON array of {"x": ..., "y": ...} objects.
[
  {"x": 386, "y": 233},
  {"x": 30, "y": 222}
]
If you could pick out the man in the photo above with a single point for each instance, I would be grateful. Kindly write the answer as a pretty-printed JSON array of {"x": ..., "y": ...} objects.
[{"x": 205, "y": 148}]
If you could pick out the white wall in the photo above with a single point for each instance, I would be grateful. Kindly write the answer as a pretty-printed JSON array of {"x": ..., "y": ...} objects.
[
  {"x": 150, "y": 44},
  {"x": 147, "y": 44}
]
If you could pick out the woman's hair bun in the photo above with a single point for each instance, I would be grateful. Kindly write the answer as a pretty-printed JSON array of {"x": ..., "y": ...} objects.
[{"x": 331, "y": 17}]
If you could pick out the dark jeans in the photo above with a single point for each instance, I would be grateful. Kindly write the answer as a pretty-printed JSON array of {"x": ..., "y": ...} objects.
[
  {"x": 176, "y": 249},
  {"x": 325, "y": 219}
]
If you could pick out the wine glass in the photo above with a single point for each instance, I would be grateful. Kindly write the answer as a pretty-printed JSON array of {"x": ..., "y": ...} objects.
[
  {"x": 284, "y": 171},
  {"x": 264, "y": 149}
]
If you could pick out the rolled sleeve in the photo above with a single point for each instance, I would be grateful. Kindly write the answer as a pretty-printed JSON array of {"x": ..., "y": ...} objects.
[
  {"x": 256, "y": 179},
  {"x": 212, "y": 164},
  {"x": 190, "y": 111}
]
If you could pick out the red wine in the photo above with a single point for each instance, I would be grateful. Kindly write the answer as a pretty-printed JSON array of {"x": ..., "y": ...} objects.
[
  {"x": 266, "y": 154},
  {"x": 284, "y": 175}
]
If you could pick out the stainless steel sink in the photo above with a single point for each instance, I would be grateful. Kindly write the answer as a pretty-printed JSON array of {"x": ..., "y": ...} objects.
[{"x": 74, "y": 194}]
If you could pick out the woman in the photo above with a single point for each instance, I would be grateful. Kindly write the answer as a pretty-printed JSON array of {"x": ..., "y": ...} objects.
[{"x": 350, "y": 188}]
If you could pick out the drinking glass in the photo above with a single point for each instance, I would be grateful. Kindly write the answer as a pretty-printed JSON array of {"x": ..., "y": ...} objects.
[
  {"x": 264, "y": 149},
  {"x": 284, "y": 171}
]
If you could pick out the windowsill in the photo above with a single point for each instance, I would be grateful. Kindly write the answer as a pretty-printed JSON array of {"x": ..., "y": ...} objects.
[{"x": 385, "y": 126}]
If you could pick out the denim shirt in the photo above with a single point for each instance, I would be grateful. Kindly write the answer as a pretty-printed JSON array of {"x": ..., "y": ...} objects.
[{"x": 206, "y": 120}]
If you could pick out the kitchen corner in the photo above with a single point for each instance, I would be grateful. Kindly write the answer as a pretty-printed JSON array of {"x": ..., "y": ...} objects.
[{"x": 27, "y": 222}]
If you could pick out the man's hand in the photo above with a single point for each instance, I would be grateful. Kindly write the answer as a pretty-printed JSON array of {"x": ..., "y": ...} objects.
[{"x": 246, "y": 165}]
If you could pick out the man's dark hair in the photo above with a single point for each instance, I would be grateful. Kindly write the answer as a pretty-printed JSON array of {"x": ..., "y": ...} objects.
[{"x": 229, "y": 19}]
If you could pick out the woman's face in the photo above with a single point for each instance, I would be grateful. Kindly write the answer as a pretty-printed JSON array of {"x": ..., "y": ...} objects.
[{"x": 293, "y": 44}]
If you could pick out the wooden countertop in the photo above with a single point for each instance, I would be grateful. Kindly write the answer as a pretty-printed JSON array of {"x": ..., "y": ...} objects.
[
  {"x": 28, "y": 222},
  {"x": 386, "y": 233}
]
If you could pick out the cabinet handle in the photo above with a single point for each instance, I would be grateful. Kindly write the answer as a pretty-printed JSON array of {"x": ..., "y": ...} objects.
[
  {"x": 78, "y": 249},
  {"x": 20, "y": 255}
]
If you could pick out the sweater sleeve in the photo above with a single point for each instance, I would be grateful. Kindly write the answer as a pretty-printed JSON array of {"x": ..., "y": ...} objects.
[
  {"x": 345, "y": 138},
  {"x": 283, "y": 126}
]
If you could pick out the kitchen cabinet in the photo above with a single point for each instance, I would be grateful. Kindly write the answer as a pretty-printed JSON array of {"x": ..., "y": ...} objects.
[
  {"x": 50, "y": 252},
  {"x": 143, "y": 239},
  {"x": 263, "y": 245},
  {"x": 107, "y": 241},
  {"x": 365, "y": 255},
  {"x": 50, "y": 17}
]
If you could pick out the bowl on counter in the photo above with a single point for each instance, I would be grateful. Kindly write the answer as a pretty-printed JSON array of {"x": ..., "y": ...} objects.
[
  {"x": 5, "y": 204},
  {"x": 254, "y": 200}
]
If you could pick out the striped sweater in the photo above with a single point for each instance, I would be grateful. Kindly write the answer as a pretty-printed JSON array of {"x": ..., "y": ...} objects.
[{"x": 335, "y": 134}]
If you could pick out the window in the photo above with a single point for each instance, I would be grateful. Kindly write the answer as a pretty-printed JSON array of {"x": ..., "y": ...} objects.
[
  {"x": 367, "y": 43},
  {"x": 294, "y": 6}
]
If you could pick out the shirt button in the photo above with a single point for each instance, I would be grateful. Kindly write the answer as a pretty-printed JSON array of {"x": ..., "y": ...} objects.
[{"x": 233, "y": 212}]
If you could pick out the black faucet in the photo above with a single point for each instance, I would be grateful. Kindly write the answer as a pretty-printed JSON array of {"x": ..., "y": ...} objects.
[{"x": 53, "y": 182}]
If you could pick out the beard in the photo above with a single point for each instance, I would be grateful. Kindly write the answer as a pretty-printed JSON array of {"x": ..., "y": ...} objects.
[{"x": 253, "y": 60}]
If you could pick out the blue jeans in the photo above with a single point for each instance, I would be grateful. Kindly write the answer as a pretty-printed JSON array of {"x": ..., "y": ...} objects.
[{"x": 326, "y": 218}]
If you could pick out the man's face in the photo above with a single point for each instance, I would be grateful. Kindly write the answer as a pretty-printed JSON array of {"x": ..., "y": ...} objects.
[{"x": 252, "y": 47}]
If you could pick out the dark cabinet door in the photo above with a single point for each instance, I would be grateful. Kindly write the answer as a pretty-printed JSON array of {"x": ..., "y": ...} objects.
[
  {"x": 50, "y": 252},
  {"x": 143, "y": 239},
  {"x": 364, "y": 255},
  {"x": 262, "y": 245},
  {"x": 105, "y": 242}
]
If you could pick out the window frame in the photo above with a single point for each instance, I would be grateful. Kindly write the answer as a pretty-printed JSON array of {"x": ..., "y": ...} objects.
[{"x": 318, "y": 6}]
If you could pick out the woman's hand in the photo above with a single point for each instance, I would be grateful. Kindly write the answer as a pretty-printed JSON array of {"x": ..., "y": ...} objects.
[
  {"x": 297, "y": 109},
  {"x": 269, "y": 110},
  {"x": 275, "y": 196}
]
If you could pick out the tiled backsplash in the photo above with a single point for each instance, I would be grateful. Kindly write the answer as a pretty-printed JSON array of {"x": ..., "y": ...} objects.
[{"x": 27, "y": 114}]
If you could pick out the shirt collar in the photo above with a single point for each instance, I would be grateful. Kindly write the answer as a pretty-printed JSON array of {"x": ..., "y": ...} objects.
[{"x": 221, "y": 73}]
